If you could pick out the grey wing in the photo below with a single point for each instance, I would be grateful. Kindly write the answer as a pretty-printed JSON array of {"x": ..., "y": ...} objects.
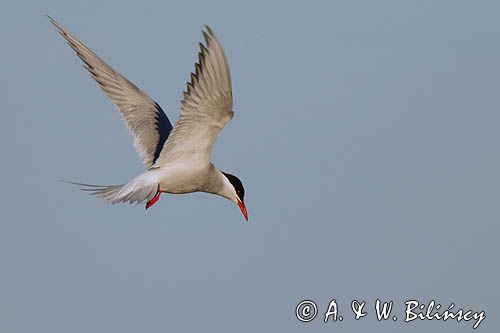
[
  {"x": 144, "y": 118},
  {"x": 206, "y": 107}
]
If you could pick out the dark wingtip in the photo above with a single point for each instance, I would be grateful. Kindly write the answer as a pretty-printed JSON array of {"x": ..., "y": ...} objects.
[
  {"x": 53, "y": 21},
  {"x": 207, "y": 38}
]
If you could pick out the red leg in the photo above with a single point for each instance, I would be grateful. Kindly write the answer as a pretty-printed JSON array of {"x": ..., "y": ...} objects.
[{"x": 154, "y": 200}]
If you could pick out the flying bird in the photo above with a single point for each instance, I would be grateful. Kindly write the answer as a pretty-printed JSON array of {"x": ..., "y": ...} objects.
[{"x": 177, "y": 159}]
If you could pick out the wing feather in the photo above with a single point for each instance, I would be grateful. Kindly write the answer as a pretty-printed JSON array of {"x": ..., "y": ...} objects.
[
  {"x": 205, "y": 109},
  {"x": 144, "y": 118}
]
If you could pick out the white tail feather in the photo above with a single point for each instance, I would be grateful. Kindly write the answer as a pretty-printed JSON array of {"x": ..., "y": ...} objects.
[{"x": 141, "y": 188}]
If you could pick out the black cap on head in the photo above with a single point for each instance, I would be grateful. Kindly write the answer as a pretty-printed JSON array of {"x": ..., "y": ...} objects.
[{"x": 238, "y": 186}]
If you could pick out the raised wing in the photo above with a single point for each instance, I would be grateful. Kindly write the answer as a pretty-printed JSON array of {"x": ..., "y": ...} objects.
[
  {"x": 144, "y": 118},
  {"x": 206, "y": 108}
]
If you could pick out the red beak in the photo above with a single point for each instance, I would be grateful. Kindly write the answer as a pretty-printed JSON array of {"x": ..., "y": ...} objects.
[{"x": 243, "y": 209}]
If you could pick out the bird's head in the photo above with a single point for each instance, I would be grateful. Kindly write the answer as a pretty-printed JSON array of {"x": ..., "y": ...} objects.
[{"x": 235, "y": 192}]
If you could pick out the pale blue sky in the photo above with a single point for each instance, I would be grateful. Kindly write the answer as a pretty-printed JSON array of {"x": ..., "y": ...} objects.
[{"x": 366, "y": 134}]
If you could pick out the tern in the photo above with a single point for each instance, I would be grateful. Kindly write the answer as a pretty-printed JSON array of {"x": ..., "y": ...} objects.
[{"x": 177, "y": 159}]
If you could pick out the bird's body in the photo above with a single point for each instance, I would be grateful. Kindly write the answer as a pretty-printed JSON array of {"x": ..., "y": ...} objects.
[
  {"x": 176, "y": 179},
  {"x": 177, "y": 159}
]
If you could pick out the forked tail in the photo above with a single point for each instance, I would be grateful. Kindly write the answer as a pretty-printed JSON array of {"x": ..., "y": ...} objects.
[{"x": 138, "y": 190}]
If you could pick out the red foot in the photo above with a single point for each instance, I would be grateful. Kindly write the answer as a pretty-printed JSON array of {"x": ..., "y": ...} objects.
[{"x": 154, "y": 200}]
